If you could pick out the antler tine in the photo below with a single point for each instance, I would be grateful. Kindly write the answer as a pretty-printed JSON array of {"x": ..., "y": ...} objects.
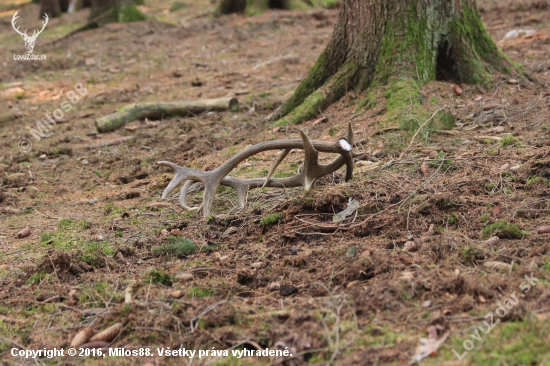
[
  {"x": 350, "y": 134},
  {"x": 310, "y": 162},
  {"x": 280, "y": 158},
  {"x": 183, "y": 194},
  {"x": 178, "y": 177}
]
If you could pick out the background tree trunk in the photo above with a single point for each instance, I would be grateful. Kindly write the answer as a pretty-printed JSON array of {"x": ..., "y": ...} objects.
[
  {"x": 64, "y": 5},
  {"x": 115, "y": 11},
  {"x": 398, "y": 45},
  {"x": 241, "y": 6},
  {"x": 50, "y": 7}
]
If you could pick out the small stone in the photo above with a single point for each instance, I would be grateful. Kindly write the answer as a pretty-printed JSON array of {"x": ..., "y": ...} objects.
[
  {"x": 515, "y": 168},
  {"x": 259, "y": 265},
  {"x": 287, "y": 290},
  {"x": 352, "y": 252},
  {"x": 184, "y": 277},
  {"x": 178, "y": 294},
  {"x": 457, "y": 89},
  {"x": 273, "y": 286},
  {"x": 230, "y": 230},
  {"x": 294, "y": 250},
  {"x": 223, "y": 258},
  {"x": 491, "y": 241},
  {"x": 119, "y": 257},
  {"x": 426, "y": 304},
  {"x": 23, "y": 233}
]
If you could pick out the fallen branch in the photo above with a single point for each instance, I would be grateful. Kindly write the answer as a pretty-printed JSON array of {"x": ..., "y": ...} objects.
[{"x": 133, "y": 112}]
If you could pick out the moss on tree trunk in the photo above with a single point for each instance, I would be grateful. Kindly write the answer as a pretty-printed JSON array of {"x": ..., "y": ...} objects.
[{"x": 398, "y": 46}]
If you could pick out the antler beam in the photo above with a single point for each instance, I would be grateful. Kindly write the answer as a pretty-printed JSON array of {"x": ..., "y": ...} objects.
[{"x": 310, "y": 172}]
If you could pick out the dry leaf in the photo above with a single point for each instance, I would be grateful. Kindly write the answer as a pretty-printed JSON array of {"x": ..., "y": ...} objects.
[
  {"x": 497, "y": 265},
  {"x": 497, "y": 210},
  {"x": 9, "y": 320},
  {"x": 320, "y": 120},
  {"x": 491, "y": 241},
  {"x": 428, "y": 346},
  {"x": 488, "y": 107},
  {"x": 424, "y": 167},
  {"x": 155, "y": 205},
  {"x": 410, "y": 246},
  {"x": 406, "y": 276}
]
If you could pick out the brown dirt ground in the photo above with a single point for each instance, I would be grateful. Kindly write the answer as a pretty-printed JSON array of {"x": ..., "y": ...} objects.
[{"x": 359, "y": 295}]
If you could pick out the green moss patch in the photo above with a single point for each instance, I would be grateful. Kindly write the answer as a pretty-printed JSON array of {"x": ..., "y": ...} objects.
[
  {"x": 158, "y": 276},
  {"x": 176, "y": 246},
  {"x": 271, "y": 219},
  {"x": 503, "y": 230}
]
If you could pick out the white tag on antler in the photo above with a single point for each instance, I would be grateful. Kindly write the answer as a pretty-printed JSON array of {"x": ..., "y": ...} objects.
[{"x": 344, "y": 144}]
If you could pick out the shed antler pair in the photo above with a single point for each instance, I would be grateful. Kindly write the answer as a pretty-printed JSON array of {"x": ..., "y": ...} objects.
[{"x": 311, "y": 170}]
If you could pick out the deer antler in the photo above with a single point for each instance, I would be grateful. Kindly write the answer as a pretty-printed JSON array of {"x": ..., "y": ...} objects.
[
  {"x": 34, "y": 34},
  {"x": 310, "y": 172},
  {"x": 13, "y": 19}
]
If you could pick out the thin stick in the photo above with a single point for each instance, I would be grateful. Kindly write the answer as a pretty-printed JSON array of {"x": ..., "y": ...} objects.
[{"x": 418, "y": 131}]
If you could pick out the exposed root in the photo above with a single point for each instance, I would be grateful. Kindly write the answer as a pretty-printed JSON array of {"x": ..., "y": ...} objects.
[{"x": 340, "y": 83}]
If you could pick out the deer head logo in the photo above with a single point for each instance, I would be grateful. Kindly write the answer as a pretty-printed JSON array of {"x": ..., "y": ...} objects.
[{"x": 29, "y": 40}]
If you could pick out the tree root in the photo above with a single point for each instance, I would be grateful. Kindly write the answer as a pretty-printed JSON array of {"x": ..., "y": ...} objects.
[{"x": 336, "y": 86}]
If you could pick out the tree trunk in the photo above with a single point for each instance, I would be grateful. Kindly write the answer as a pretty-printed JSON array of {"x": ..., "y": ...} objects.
[
  {"x": 50, "y": 7},
  {"x": 396, "y": 46},
  {"x": 64, "y": 5},
  {"x": 254, "y": 6},
  {"x": 115, "y": 11}
]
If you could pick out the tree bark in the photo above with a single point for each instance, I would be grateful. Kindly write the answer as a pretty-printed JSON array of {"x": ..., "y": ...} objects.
[
  {"x": 64, "y": 5},
  {"x": 50, "y": 7},
  {"x": 117, "y": 10},
  {"x": 398, "y": 46},
  {"x": 241, "y": 6}
]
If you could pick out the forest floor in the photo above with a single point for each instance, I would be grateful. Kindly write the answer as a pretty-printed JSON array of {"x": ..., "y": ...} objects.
[{"x": 412, "y": 262}]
